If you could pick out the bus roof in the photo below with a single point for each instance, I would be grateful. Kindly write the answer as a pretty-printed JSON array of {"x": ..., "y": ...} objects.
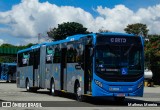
[
  {"x": 73, "y": 38},
  {"x": 31, "y": 48},
  {"x": 115, "y": 33},
  {"x": 69, "y": 38}
]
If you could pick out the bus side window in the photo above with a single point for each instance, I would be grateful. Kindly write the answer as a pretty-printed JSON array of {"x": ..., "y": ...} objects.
[
  {"x": 57, "y": 55},
  {"x": 79, "y": 57},
  {"x": 71, "y": 53}
]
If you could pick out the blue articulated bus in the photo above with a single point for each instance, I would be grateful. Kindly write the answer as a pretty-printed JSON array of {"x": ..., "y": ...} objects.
[
  {"x": 97, "y": 64},
  {"x": 8, "y": 72}
]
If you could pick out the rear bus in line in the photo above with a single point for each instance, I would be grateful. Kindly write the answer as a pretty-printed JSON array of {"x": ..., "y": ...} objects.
[
  {"x": 8, "y": 72},
  {"x": 98, "y": 65}
]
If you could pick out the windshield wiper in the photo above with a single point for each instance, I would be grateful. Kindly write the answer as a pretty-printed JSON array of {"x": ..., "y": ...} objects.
[{"x": 127, "y": 52}]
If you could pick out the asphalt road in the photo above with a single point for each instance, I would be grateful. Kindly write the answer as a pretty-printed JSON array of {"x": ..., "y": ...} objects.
[{"x": 19, "y": 99}]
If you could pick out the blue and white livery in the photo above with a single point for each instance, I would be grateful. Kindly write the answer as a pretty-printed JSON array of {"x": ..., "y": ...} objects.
[{"x": 98, "y": 64}]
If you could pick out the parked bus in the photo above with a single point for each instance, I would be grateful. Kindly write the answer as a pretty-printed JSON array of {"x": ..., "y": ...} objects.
[
  {"x": 8, "y": 72},
  {"x": 98, "y": 65}
]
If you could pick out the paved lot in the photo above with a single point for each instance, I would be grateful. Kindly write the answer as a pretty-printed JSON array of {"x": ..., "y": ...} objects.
[{"x": 9, "y": 92}]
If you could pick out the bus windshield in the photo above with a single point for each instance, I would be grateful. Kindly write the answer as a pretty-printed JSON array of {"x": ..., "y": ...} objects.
[{"x": 114, "y": 57}]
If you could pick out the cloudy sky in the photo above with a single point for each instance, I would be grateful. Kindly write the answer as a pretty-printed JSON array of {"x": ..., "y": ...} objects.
[{"x": 22, "y": 20}]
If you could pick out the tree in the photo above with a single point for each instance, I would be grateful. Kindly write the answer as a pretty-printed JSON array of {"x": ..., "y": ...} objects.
[
  {"x": 66, "y": 29},
  {"x": 152, "y": 56},
  {"x": 7, "y": 45},
  {"x": 137, "y": 29},
  {"x": 26, "y": 46},
  {"x": 6, "y": 58}
]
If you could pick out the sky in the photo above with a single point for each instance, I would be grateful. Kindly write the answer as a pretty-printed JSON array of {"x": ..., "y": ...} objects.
[{"x": 22, "y": 20}]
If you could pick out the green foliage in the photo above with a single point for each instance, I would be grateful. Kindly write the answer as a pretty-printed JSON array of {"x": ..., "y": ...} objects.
[
  {"x": 66, "y": 29},
  {"x": 13, "y": 46},
  {"x": 26, "y": 46},
  {"x": 137, "y": 29},
  {"x": 7, "y": 59},
  {"x": 7, "y": 45},
  {"x": 152, "y": 48},
  {"x": 8, "y": 52}
]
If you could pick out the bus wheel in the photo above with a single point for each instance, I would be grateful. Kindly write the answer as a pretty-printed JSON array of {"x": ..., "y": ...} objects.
[
  {"x": 52, "y": 88},
  {"x": 27, "y": 86},
  {"x": 78, "y": 91}
]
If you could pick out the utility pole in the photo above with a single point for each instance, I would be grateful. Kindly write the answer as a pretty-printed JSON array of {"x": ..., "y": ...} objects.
[{"x": 39, "y": 35}]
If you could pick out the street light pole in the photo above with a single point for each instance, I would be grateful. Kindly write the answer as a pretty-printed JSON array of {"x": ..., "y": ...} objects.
[{"x": 39, "y": 35}]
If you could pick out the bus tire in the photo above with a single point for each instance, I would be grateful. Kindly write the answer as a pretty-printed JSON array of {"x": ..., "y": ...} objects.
[
  {"x": 27, "y": 86},
  {"x": 52, "y": 88},
  {"x": 78, "y": 91}
]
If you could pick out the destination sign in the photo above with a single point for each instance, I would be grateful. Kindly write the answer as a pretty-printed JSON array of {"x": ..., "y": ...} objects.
[{"x": 118, "y": 40}]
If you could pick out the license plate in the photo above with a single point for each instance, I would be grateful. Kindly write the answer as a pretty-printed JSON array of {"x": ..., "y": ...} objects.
[{"x": 120, "y": 95}]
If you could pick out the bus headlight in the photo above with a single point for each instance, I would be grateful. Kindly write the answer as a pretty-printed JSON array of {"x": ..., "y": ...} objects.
[
  {"x": 140, "y": 84},
  {"x": 98, "y": 83}
]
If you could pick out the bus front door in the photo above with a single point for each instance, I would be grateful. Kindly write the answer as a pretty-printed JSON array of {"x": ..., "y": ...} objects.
[
  {"x": 36, "y": 58},
  {"x": 88, "y": 70}
]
